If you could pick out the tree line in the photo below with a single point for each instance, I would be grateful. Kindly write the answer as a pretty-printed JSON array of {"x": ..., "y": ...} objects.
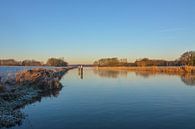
[
  {"x": 58, "y": 62},
  {"x": 187, "y": 58},
  {"x": 111, "y": 62}
]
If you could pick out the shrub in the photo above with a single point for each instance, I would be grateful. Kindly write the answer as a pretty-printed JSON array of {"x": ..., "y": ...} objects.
[{"x": 56, "y": 62}]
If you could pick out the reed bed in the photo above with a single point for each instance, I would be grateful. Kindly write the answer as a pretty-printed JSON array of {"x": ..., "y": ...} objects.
[{"x": 156, "y": 69}]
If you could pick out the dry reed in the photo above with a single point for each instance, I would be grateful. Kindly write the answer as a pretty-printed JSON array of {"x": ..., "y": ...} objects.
[{"x": 156, "y": 69}]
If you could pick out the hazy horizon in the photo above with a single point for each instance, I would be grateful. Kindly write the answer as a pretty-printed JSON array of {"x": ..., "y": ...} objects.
[{"x": 84, "y": 31}]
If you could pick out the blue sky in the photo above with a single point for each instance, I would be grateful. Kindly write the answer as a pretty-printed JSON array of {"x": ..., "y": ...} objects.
[{"x": 82, "y": 31}]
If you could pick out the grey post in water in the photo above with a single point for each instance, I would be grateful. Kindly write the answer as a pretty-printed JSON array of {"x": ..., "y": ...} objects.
[{"x": 80, "y": 71}]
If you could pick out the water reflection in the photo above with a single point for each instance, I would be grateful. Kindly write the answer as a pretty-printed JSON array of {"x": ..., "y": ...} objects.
[
  {"x": 144, "y": 74},
  {"x": 110, "y": 73},
  {"x": 188, "y": 79},
  {"x": 102, "y": 103}
]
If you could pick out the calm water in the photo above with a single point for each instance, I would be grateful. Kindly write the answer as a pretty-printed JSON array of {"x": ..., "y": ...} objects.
[{"x": 116, "y": 100}]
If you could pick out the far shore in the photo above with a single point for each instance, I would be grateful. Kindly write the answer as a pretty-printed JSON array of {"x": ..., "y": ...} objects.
[{"x": 154, "y": 69}]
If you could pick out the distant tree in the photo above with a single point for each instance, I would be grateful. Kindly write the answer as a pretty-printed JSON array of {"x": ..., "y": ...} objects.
[
  {"x": 150, "y": 62},
  {"x": 111, "y": 62},
  {"x": 107, "y": 62},
  {"x": 193, "y": 62},
  {"x": 9, "y": 62},
  {"x": 188, "y": 58},
  {"x": 174, "y": 63},
  {"x": 31, "y": 63},
  {"x": 56, "y": 62},
  {"x": 96, "y": 63},
  {"x": 123, "y": 62}
]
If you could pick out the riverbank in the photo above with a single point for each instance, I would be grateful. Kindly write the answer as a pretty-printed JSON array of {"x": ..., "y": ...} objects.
[
  {"x": 156, "y": 69},
  {"x": 28, "y": 87}
]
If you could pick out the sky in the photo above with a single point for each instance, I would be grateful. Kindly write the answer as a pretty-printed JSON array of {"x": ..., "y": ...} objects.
[{"x": 83, "y": 31}]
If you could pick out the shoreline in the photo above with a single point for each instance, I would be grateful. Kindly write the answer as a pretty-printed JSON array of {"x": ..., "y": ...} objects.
[
  {"x": 154, "y": 69},
  {"x": 29, "y": 86},
  {"x": 113, "y": 72}
]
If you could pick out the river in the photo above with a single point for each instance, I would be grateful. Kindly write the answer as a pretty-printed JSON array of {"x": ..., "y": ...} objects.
[{"x": 106, "y": 99}]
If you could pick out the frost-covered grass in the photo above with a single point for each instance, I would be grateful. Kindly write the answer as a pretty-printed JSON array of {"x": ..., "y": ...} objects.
[
  {"x": 10, "y": 103},
  {"x": 11, "y": 100}
]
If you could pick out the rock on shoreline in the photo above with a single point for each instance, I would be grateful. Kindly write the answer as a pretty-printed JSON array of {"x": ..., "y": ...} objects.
[{"x": 28, "y": 87}]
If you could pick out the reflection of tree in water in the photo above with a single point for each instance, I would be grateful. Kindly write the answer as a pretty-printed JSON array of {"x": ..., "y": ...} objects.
[
  {"x": 51, "y": 93},
  {"x": 188, "y": 79},
  {"x": 145, "y": 74},
  {"x": 110, "y": 73}
]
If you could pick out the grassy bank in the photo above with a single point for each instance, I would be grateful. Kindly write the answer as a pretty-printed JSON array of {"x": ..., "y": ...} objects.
[
  {"x": 11, "y": 101},
  {"x": 155, "y": 69}
]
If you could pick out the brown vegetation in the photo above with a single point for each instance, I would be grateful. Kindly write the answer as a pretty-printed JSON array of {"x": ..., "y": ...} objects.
[
  {"x": 51, "y": 62},
  {"x": 111, "y": 62},
  {"x": 56, "y": 62},
  {"x": 155, "y": 69},
  {"x": 43, "y": 78},
  {"x": 188, "y": 58},
  {"x": 12, "y": 62},
  {"x": 9, "y": 62},
  {"x": 31, "y": 63}
]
